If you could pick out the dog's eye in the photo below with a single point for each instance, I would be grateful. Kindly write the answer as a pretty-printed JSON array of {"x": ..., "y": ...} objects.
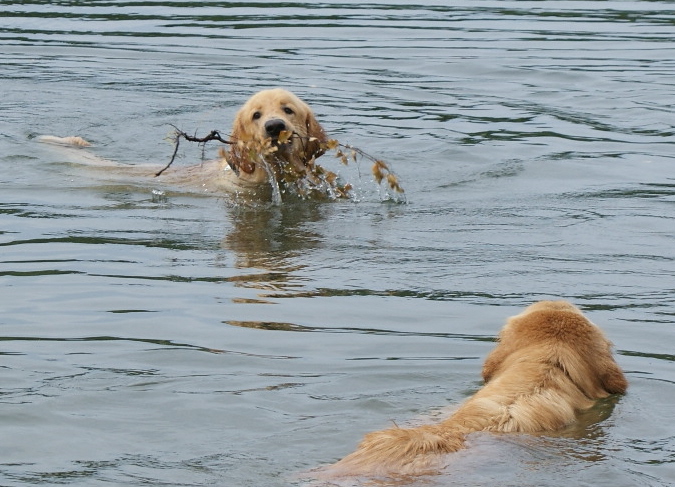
[
  {"x": 256, "y": 115},
  {"x": 289, "y": 111}
]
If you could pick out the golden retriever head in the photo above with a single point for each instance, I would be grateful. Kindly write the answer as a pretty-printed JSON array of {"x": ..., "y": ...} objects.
[
  {"x": 556, "y": 333},
  {"x": 261, "y": 134}
]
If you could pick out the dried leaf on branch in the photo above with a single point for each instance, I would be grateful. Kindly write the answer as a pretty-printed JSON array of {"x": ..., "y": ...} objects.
[{"x": 311, "y": 176}]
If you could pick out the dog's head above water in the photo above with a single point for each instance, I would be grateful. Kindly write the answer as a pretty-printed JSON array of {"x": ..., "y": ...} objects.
[{"x": 276, "y": 128}]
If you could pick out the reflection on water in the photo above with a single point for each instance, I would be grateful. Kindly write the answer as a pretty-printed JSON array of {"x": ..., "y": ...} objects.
[
  {"x": 145, "y": 332},
  {"x": 271, "y": 238}
]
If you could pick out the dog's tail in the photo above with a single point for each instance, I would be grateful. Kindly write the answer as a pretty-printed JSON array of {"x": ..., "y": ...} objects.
[
  {"x": 402, "y": 451},
  {"x": 72, "y": 141}
]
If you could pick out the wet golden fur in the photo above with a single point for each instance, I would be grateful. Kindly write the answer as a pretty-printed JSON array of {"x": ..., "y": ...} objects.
[
  {"x": 550, "y": 363},
  {"x": 256, "y": 150}
]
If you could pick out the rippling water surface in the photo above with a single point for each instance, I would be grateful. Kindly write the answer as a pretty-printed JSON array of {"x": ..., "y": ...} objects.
[{"x": 154, "y": 337}]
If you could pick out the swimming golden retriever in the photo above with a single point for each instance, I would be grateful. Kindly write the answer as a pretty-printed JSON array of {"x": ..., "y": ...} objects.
[
  {"x": 275, "y": 135},
  {"x": 550, "y": 363}
]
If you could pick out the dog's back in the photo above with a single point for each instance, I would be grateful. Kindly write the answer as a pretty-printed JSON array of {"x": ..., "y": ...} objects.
[{"x": 550, "y": 363}]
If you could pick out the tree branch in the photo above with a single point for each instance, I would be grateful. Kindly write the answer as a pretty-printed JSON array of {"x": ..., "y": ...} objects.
[{"x": 213, "y": 135}]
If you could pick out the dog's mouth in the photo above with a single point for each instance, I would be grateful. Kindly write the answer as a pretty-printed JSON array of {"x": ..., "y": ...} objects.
[
  {"x": 283, "y": 139},
  {"x": 278, "y": 132}
]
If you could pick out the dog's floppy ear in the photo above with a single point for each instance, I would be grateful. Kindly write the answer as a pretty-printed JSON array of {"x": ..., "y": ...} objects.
[
  {"x": 315, "y": 146},
  {"x": 506, "y": 345},
  {"x": 613, "y": 379},
  {"x": 496, "y": 357},
  {"x": 238, "y": 157},
  {"x": 492, "y": 363},
  {"x": 611, "y": 376},
  {"x": 586, "y": 357}
]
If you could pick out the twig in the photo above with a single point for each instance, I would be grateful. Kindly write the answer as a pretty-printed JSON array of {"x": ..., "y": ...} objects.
[
  {"x": 344, "y": 152},
  {"x": 213, "y": 135}
]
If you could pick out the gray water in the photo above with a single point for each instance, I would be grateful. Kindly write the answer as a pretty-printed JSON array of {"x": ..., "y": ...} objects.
[{"x": 157, "y": 337}]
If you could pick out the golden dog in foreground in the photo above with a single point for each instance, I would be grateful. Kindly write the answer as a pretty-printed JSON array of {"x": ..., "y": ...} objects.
[
  {"x": 274, "y": 135},
  {"x": 550, "y": 363}
]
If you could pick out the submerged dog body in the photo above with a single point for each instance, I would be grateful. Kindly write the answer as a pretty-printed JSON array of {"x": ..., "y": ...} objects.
[
  {"x": 550, "y": 363},
  {"x": 275, "y": 138}
]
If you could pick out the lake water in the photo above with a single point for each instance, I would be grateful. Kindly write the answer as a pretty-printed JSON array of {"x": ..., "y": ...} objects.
[{"x": 151, "y": 337}]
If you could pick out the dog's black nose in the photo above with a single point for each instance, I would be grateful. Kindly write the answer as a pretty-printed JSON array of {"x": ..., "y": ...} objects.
[{"x": 274, "y": 127}]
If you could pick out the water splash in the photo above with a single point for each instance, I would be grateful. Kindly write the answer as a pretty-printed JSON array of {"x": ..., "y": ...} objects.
[{"x": 274, "y": 184}]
